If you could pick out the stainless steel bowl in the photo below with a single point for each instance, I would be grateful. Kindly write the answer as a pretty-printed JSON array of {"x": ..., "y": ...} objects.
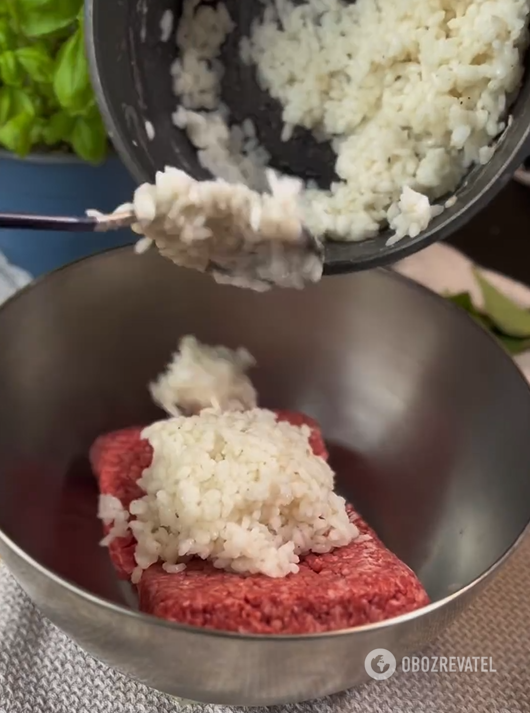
[{"x": 427, "y": 418}]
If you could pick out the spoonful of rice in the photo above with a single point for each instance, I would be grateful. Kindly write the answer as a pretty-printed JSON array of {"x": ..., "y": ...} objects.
[
  {"x": 243, "y": 238},
  {"x": 239, "y": 236}
]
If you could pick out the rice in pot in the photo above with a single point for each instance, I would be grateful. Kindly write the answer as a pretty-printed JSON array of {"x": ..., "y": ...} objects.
[{"x": 410, "y": 93}]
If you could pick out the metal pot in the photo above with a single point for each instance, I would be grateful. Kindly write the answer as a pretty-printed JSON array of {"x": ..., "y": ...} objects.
[
  {"x": 130, "y": 72},
  {"x": 427, "y": 421}
]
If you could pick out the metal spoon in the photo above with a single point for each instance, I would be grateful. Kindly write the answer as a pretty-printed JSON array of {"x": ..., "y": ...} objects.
[
  {"x": 260, "y": 267},
  {"x": 86, "y": 224}
]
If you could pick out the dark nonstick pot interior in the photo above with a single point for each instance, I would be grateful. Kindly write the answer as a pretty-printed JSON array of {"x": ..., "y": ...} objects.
[{"x": 131, "y": 73}]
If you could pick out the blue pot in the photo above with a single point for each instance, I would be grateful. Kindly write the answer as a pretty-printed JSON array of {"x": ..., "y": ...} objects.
[{"x": 59, "y": 185}]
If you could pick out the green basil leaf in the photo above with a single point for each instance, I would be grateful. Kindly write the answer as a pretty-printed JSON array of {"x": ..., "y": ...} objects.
[
  {"x": 512, "y": 345},
  {"x": 7, "y": 36},
  {"x": 15, "y": 134},
  {"x": 9, "y": 9},
  {"x": 510, "y": 319},
  {"x": 72, "y": 81},
  {"x": 42, "y": 17},
  {"x": 89, "y": 139},
  {"x": 37, "y": 131},
  {"x": 49, "y": 99},
  {"x": 11, "y": 72},
  {"x": 37, "y": 63},
  {"x": 58, "y": 128},
  {"x": 481, "y": 320},
  {"x": 463, "y": 300},
  {"x": 23, "y": 103},
  {"x": 6, "y": 104}
]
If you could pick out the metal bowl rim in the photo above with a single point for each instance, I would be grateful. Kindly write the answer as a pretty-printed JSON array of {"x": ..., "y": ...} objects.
[{"x": 366, "y": 628}]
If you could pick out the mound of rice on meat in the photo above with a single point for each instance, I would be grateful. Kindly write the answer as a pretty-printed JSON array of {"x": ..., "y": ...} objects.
[
  {"x": 238, "y": 488},
  {"x": 231, "y": 484}
]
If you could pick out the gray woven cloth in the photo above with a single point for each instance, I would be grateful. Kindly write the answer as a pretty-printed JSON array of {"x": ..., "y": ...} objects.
[{"x": 42, "y": 671}]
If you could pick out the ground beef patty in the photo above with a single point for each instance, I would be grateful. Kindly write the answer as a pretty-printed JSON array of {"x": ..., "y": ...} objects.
[{"x": 357, "y": 584}]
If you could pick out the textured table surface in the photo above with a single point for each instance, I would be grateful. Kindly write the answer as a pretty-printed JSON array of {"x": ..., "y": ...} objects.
[{"x": 42, "y": 671}]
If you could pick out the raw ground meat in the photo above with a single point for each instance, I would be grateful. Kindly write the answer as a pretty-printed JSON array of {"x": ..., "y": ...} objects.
[{"x": 358, "y": 584}]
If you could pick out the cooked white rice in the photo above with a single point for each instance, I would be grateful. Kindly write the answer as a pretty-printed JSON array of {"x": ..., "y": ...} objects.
[
  {"x": 166, "y": 25},
  {"x": 230, "y": 484},
  {"x": 240, "y": 236},
  {"x": 150, "y": 130},
  {"x": 410, "y": 215},
  {"x": 112, "y": 513},
  {"x": 411, "y": 94},
  {"x": 231, "y": 153},
  {"x": 199, "y": 376},
  {"x": 239, "y": 489}
]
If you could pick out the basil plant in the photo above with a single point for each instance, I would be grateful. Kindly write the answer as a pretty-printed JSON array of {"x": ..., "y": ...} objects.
[{"x": 46, "y": 98}]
